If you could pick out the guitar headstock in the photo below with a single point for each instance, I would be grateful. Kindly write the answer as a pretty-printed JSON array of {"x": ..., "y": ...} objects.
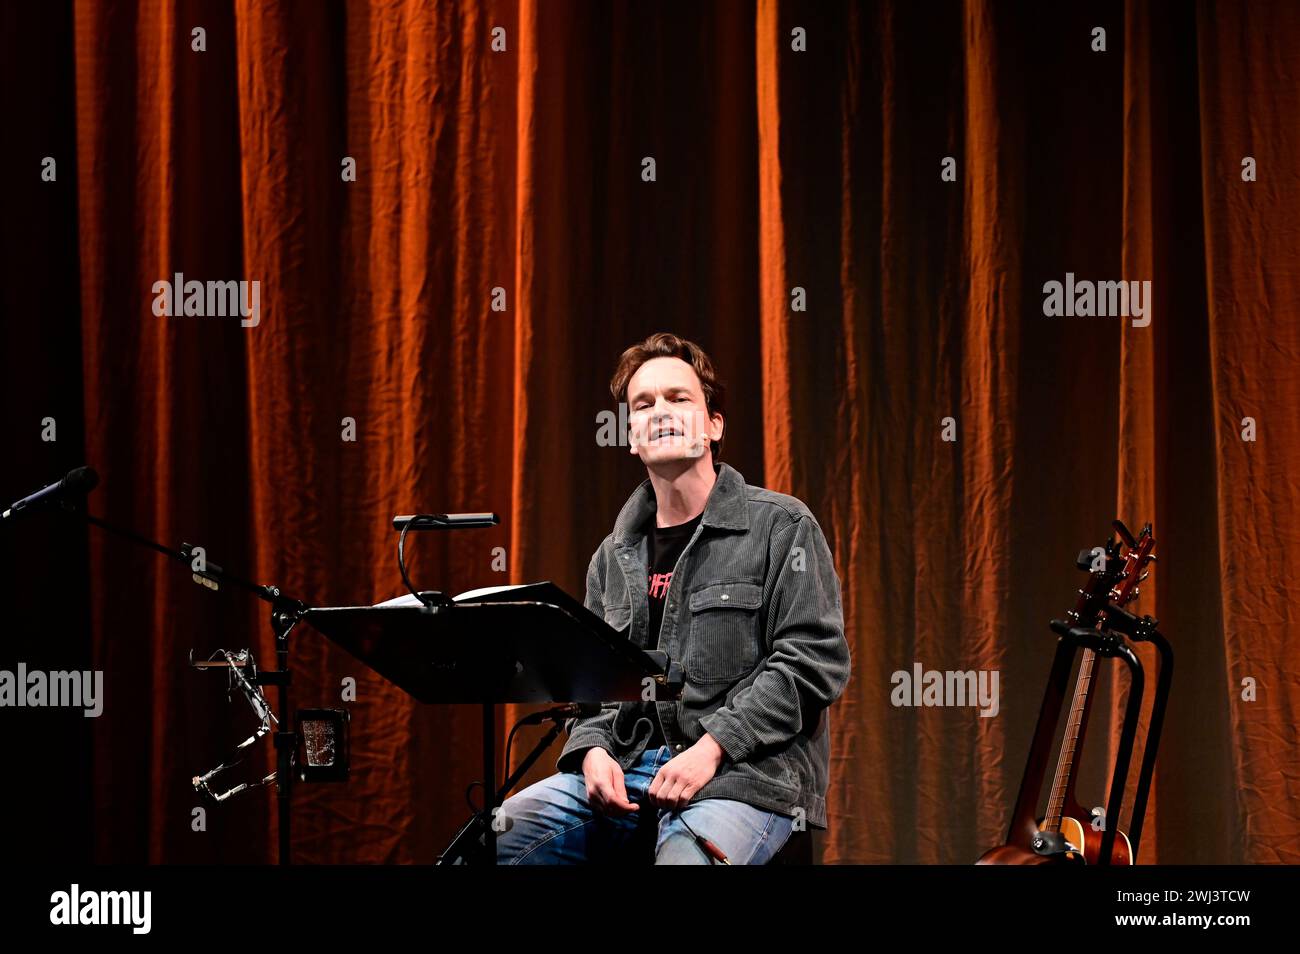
[
  {"x": 1115, "y": 570},
  {"x": 1136, "y": 559}
]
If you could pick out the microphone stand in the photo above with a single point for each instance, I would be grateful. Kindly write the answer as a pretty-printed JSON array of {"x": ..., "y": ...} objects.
[{"x": 286, "y": 613}]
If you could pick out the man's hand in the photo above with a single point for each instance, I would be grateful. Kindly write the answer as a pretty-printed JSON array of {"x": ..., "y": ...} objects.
[
  {"x": 681, "y": 777},
  {"x": 605, "y": 788}
]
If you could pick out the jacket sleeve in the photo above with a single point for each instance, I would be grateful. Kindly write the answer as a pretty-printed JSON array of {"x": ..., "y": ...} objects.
[
  {"x": 809, "y": 662},
  {"x": 597, "y": 730}
]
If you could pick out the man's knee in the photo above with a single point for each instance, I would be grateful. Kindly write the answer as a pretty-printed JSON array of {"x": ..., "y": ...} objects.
[{"x": 531, "y": 824}]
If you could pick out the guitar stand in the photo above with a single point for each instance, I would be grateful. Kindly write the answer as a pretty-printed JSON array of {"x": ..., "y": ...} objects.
[
  {"x": 1110, "y": 643},
  {"x": 1143, "y": 629}
]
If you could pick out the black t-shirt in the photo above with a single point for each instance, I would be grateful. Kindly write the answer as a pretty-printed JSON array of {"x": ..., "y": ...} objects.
[{"x": 665, "y": 545}]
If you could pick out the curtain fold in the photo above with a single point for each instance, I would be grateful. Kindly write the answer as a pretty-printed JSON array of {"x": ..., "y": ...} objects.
[{"x": 1248, "y": 86}]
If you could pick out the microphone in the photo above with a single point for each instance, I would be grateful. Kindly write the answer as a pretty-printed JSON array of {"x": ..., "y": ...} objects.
[
  {"x": 581, "y": 710},
  {"x": 444, "y": 521},
  {"x": 77, "y": 482}
]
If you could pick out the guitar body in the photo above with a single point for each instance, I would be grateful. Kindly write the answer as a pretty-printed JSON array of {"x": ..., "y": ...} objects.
[
  {"x": 1080, "y": 836},
  {"x": 1015, "y": 855},
  {"x": 1085, "y": 838}
]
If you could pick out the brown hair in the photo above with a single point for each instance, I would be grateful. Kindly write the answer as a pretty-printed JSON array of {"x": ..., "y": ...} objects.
[{"x": 665, "y": 345}]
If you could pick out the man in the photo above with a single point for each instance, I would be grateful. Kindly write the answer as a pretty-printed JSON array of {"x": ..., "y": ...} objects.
[{"x": 738, "y": 584}]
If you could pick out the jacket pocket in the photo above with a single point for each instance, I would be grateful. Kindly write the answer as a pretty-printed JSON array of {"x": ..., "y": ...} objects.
[
  {"x": 618, "y": 616},
  {"x": 724, "y": 631}
]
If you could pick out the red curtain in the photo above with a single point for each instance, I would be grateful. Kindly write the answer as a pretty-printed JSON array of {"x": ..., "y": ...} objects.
[{"x": 458, "y": 309}]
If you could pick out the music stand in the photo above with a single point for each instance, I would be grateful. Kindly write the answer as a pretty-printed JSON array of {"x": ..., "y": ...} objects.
[{"x": 525, "y": 644}]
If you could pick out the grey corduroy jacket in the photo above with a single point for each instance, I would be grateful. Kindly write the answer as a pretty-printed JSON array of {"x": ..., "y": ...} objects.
[{"x": 753, "y": 612}]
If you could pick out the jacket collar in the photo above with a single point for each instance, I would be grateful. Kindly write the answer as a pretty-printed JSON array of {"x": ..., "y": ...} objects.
[{"x": 726, "y": 508}]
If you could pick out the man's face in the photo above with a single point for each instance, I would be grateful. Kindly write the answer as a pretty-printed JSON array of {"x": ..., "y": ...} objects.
[{"x": 667, "y": 418}]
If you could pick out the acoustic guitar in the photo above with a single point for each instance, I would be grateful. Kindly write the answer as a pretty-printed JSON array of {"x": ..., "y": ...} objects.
[{"x": 1062, "y": 836}]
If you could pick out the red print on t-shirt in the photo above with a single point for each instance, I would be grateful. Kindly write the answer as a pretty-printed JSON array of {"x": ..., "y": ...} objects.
[{"x": 659, "y": 584}]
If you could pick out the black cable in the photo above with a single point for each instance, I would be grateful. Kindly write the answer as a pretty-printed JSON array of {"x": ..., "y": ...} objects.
[
  {"x": 473, "y": 785},
  {"x": 509, "y": 740},
  {"x": 704, "y": 844},
  {"x": 430, "y": 601},
  {"x": 401, "y": 556},
  {"x": 474, "y": 809}
]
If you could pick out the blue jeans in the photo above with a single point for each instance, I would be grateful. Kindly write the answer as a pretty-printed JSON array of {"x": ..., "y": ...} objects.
[{"x": 552, "y": 822}]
